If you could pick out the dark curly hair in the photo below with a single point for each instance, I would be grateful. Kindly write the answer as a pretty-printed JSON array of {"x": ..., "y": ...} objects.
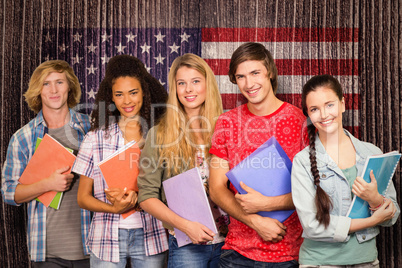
[
  {"x": 153, "y": 92},
  {"x": 322, "y": 200}
]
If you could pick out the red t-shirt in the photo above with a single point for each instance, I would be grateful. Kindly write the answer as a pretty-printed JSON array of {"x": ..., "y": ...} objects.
[{"x": 237, "y": 134}]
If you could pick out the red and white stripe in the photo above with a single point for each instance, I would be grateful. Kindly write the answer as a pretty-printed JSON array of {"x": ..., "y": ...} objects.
[{"x": 299, "y": 54}]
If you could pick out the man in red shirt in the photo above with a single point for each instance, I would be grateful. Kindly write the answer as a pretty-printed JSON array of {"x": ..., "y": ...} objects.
[{"x": 254, "y": 240}]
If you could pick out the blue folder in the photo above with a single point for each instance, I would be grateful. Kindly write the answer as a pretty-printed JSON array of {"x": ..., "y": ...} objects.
[
  {"x": 383, "y": 167},
  {"x": 266, "y": 170}
]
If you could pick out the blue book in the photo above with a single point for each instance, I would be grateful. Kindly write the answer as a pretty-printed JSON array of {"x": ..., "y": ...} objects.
[
  {"x": 383, "y": 167},
  {"x": 266, "y": 170}
]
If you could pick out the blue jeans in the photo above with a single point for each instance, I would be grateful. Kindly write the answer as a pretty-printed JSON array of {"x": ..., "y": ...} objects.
[
  {"x": 131, "y": 245},
  {"x": 194, "y": 256},
  {"x": 231, "y": 258}
]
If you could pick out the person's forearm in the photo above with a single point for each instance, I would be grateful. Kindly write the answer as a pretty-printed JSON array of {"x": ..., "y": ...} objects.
[
  {"x": 280, "y": 202},
  {"x": 86, "y": 200},
  {"x": 360, "y": 224},
  {"x": 159, "y": 210},
  {"x": 89, "y": 202},
  {"x": 27, "y": 192},
  {"x": 384, "y": 213},
  {"x": 267, "y": 228},
  {"x": 197, "y": 232},
  {"x": 224, "y": 198}
]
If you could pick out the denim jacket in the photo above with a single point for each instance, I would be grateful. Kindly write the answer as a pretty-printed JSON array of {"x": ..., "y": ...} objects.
[{"x": 334, "y": 183}]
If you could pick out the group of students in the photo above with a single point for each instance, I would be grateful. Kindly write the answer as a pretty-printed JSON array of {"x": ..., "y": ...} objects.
[{"x": 180, "y": 130}]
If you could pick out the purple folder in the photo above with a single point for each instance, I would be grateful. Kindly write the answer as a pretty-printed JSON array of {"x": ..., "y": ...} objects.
[
  {"x": 185, "y": 195},
  {"x": 266, "y": 170}
]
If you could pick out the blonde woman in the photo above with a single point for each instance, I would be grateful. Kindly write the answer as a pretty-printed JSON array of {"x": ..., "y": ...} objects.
[{"x": 181, "y": 141}]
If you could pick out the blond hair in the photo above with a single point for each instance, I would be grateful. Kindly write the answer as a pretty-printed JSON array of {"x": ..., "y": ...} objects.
[
  {"x": 32, "y": 95},
  {"x": 176, "y": 144}
]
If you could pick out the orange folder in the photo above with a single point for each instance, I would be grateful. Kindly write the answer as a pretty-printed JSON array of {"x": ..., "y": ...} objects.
[
  {"x": 120, "y": 169},
  {"x": 49, "y": 156}
]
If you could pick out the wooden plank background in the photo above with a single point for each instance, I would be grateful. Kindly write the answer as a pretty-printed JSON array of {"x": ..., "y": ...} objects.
[{"x": 23, "y": 24}]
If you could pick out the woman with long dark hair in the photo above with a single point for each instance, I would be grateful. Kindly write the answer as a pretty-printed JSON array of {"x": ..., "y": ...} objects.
[{"x": 324, "y": 180}]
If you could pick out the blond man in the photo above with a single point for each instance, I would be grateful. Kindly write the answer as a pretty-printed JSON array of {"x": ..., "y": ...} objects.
[{"x": 55, "y": 237}]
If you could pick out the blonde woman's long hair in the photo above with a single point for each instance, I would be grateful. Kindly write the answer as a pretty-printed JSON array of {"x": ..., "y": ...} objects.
[{"x": 177, "y": 145}]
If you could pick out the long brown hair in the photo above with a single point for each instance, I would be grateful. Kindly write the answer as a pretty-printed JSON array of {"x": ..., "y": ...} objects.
[{"x": 322, "y": 201}]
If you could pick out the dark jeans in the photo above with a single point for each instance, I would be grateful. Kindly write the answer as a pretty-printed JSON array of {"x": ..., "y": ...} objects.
[
  {"x": 62, "y": 263},
  {"x": 232, "y": 259}
]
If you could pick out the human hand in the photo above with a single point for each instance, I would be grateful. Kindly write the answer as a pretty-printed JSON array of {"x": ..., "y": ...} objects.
[
  {"x": 367, "y": 191},
  {"x": 252, "y": 202},
  {"x": 385, "y": 212},
  {"x": 121, "y": 200},
  {"x": 112, "y": 193},
  {"x": 198, "y": 233},
  {"x": 58, "y": 181},
  {"x": 268, "y": 229}
]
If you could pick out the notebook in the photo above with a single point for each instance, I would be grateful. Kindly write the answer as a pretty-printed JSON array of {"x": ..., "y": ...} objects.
[
  {"x": 383, "y": 167},
  {"x": 266, "y": 170},
  {"x": 49, "y": 155},
  {"x": 120, "y": 169},
  {"x": 186, "y": 196}
]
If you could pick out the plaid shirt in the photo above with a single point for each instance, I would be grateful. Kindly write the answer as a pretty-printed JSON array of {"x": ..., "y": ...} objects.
[
  {"x": 103, "y": 239},
  {"x": 19, "y": 152}
]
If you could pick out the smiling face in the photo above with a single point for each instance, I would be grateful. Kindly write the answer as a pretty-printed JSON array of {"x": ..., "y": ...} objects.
[
  {"x": 325, "y": 110},
  {"x": 127, "y": 96},
  {"x": 54, "y": 93},
  {"x": 191, "y": 89},
  {"x": 253, "y": 81}
]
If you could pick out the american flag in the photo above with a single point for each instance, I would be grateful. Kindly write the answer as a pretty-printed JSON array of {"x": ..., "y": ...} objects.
[{"x": 299, "y": 54}]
